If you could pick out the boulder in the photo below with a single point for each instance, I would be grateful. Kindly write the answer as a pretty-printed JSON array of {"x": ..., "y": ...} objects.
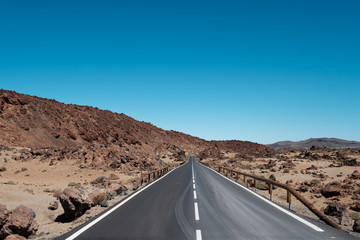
[
  {"x": 104, "y": 203},
  {"x": 15, "y": 237},
  {"x": 334, "y": 210},
  {"x": 355, "y": 175},
  {"x": 75, "y": 202},
  {"x": 355, "y": 206},
  {"x": 303, "y": 188},
  {"x": 331, "y": 189},
  {"x": 356, "y": 226},
  {"x": 19, "y": 221},
  {"x": 4, "y": 213},
  {"x": 116, "y": 188},
  {"x": 53, "y": 205},
  {"x": 339, "y": 214},
  {"x": 272, "y": 177},
  {"x": 250, "y": 183}
]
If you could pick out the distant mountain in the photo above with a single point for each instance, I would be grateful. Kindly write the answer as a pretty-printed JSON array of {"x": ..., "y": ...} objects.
[{"x": 333, "y": 143}]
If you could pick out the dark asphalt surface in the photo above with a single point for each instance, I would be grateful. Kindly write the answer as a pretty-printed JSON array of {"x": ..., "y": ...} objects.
[{"x": 165, "y": 210}]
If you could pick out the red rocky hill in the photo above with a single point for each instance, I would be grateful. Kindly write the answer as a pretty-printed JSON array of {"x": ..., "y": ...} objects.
[{"x": 39, "y": 123}]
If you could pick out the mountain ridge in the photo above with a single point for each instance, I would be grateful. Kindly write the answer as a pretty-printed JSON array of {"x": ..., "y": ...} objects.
[
  {"x": 334, "y": 143},
  {"x": 30, "y": 121}
]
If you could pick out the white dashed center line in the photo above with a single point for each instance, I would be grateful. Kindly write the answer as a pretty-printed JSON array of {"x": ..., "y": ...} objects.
[
  {"x": 198, "y": 235},
  {"x": 197, "y": 218},
  {"x": 196, "y": 207}
]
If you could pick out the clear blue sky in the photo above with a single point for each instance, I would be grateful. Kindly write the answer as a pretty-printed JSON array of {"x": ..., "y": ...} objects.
[{"x": 262, "y": 71}]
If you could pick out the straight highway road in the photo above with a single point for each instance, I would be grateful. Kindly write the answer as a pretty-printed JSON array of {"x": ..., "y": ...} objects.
[{"x": 194, "y": 202}]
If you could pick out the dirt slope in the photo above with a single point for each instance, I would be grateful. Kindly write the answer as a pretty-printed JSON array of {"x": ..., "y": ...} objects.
[{"x": 34, "y": 122}]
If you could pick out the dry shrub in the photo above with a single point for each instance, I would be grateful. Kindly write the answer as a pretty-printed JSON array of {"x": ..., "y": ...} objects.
[
  {"x": 97, "y": 199},
  {"x": 113, "y": 177}
]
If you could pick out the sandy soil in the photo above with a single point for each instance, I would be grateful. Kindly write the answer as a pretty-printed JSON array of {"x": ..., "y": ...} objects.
[{"x": 32, "y": 184}]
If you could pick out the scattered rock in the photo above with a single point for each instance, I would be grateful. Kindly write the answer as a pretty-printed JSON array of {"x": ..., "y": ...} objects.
[
  {"x": 15, "y": 237},
  {"x": 355, "y": 206},
  {"x": 272, "y": 177},
  {"x": 75, "y": 202},
  {"x": 19, "y": 221},
  {"x": 53, "y": 205},
  {"x": 104, "y": 203},
  {"x": 331, "y": 189},
  {"x": 33, "y": 214},
  {"x": 303, "y": 188},
  {"x": 334, "y": 210},
  {"x": 356, "y": 226},
  {"x": 355, "y": 175}
]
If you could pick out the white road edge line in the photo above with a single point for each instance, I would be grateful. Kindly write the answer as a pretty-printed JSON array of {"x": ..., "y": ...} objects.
[
  {"x": 316, "y": 228},
  {"x": 86, "y": 227},
  {"x": 195, "y": 196},
  {"x": 198, "y": 235},
  {"x": 197, "y": 218}
]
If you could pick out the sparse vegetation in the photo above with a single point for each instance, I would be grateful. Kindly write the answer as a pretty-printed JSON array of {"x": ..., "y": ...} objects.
[
  {"x": 97, "y": 199},
  {"x": 262, "y": 186},
  {"x": 10, "y": 183},
  {"x": 315, "y": 182},
  {"x": 355, "y": 216},
  {"x": 47, "y": 190},
  {"x": 72, "y": 184},
  {"x": 113, "y": 177},
  {"x": 286, "y": 170},
  {"x": 24, "y": 169}
]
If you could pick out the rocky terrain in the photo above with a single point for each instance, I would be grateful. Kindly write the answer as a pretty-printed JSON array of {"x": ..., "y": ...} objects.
[
  {"x": 333, "y": 143},
  {"x": 329, "y": 178},
  {"x": 64, "y": 164}
]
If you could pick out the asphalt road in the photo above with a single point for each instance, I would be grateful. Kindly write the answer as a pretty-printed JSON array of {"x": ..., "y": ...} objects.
[{"x": 195, "y": 202}]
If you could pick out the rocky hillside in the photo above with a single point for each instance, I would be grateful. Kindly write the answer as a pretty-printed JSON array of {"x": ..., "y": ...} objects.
[
  {"x": 333, "y": 143},
  {"x": 34, "y": 122}
]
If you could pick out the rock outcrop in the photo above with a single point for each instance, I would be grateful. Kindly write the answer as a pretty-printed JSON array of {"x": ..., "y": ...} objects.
[{"x": 17, "y": 221}]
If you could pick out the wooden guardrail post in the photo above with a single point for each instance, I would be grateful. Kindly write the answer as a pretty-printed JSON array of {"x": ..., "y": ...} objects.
[
  {"x": 288, "y": 188},
  {"x": 255, "y": 184},
  {"x": 288, "y": 198}
]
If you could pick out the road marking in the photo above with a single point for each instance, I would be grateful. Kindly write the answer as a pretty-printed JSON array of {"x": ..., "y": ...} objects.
[
  {"x": 195, "y": 196},
  {"x": 194, "y": 186},
  {"x": 197, "y": 218},
  {"x": 198, "y": 235},
  {"x": 86, "y": 227},
  {"x": 193, "y": 181},
  {"x": 316, "y": 228}
]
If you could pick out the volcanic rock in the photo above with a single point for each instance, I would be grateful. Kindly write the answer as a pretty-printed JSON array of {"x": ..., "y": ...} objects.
[
  {"x": 19, "y": 221},
  {"x": 356, "y": 226},
  {"x": 75, "y": 202},
  {"x": 355, "y": 206},
  {"x": 53, "y": 205},
  {"x": 15, "y": 237},
  {"x": 331, "y": 189},
  {"x": 355, "y": 175}
]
